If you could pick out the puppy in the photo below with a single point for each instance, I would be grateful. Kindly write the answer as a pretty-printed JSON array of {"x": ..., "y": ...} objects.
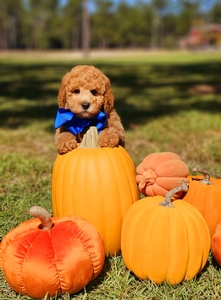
[{"x": 85, "y": 99}]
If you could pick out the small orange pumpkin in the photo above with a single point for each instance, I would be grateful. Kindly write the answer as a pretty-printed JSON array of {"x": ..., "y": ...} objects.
[
  {"x": 205, "y": 194},
  {"x": 165, "y": 241},
  {"x": 97, "y": 184},
  {"x": 51, "y": 255},
  {"x": 160, "y": 172}
]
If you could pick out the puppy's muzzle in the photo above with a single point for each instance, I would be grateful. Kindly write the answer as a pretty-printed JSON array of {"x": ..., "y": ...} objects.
[{"x": 85, "y": 105}]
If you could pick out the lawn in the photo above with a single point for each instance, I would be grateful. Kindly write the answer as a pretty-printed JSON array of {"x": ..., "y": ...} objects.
[{"x": 167, "y": 102}]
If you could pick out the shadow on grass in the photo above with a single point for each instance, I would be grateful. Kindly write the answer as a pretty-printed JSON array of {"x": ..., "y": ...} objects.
[{"x": 29, "y": 91}]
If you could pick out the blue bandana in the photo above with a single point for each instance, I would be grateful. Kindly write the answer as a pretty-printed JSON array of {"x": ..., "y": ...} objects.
[{"x": 75, "y": 125}]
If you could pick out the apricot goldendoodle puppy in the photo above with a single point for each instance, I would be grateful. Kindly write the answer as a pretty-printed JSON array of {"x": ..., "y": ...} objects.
[{"x": 85, "y": 99}]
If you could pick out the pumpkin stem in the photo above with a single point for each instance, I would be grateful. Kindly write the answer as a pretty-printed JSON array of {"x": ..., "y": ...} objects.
[
  {"x": 90, "y": 139},
  {"x": 43, "y": 215},
  {"x": 206, "y": 179},
  {"x": 167, "y": 200}
]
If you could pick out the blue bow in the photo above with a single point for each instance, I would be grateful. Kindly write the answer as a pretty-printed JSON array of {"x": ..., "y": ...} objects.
[{"x": 66, "y": 118}]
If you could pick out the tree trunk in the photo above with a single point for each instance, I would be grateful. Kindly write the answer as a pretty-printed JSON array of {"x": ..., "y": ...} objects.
[{"x": 85, "y": 29}]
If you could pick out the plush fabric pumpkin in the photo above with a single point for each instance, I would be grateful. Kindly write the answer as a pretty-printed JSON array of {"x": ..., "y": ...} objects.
[
  {"x": 51, "y": 255},
  {"x": 164, "y": 241},
  {"x": 97, "y": 184},
  {"x": 216, "y": 243},
  {"x": 205, "y": 194},
  {"x": 160, "y": 172}
]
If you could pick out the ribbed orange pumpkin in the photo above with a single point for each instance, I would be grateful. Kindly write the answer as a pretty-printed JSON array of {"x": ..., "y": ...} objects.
[
  {"x": 160, "y": 172},
  {"x": 164, "y": 243},
  {"x": 205, "y": 194},
  {"x": 97, "y": 184},
  {"x": 51, "y": 255}
]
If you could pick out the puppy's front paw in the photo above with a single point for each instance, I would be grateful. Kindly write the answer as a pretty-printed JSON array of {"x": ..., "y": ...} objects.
[
  {"x": 65, "y": 142},
  {"x": 106, "y": 139}
]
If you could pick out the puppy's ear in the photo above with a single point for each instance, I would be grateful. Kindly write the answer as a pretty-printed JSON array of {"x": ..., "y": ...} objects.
[
  {"x": 62, "y": 91},
  {"x": 108, "y": 98}
]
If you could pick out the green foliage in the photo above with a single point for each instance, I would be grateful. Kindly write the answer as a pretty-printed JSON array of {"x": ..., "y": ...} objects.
[{"x": 167, "y": 102}]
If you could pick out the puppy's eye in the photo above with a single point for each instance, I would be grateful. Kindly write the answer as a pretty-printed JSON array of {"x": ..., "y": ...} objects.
[
  {"x": 76, "y": 91},
  {"x": 94, "y": 92}
]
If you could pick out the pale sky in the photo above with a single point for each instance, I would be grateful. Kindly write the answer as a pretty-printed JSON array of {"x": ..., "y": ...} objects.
[{"x": 206, "y": 4}]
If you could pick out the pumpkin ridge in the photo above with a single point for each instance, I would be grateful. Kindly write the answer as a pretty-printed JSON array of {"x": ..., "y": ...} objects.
[
  {"x": 150, "y": 250},
  {"x": 203, "y": 242},
  {"x": 61, "y": 288},
  {"x": 155, "y": 189},
  {"x": 202, "y": 263},
  {"x": 9, "y": 240},
  {"x": 172, "y": 168},
  {"x": 74, "y": 168},
  {"x": 117, "y": 181},
  {"x": 199, "y": 241},
  {"x": 130, "y": 260},
  {"x": 170, "y": 242},
  {"x": 134, "y": 230},
  {"x": 188, "y": 252},
  {"x": 22, "y": 281},
  {"x": 185, "y": 242},
  {"x": 55, "y": 261},
  {"x": 122, "y": 156},
  {"x": 104, "y": 235},
  {"x": 79, "y": 234}
]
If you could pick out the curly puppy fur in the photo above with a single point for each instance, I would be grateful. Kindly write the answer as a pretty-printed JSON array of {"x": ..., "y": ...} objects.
[{"x": 86, "y": 91}]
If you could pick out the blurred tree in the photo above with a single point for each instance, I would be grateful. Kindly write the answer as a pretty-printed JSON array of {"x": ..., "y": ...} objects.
[
  {"x": 131, "y": 26},
  {"x": 10, "y": 21},
  {"x": 216, "y": 13},
  {"x": 101, "y": 23},
  {"x": 85, "y": 28},
  {"x": 161, "y": 22},
  {"x": 72, "y": 24},
  {"x": 39, "y": 21},
  {"x": 189, "y": 12}
]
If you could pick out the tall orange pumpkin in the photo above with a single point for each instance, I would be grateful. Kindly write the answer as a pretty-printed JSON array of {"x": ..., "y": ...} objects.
[
  {"x": 51, "y": 255},
  {"x": 97, "y": 184},
  {"x": 163, "y": 241},
  {"x": 205, "y": 194}
]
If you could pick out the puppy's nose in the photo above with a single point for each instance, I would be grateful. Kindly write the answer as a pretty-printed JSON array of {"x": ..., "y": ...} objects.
[{"x": 85, "y": 105}]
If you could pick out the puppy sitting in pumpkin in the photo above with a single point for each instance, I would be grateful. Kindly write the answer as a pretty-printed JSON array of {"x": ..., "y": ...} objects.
[{"x": 85, "y": 99}]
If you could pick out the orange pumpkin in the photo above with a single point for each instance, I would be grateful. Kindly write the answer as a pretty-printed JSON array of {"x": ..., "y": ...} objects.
[
  {"x": 205, "y": 194},
  {"x": 97, "y": 184},
  {"x": 164, "y": 241},
  {"x": 216, "y": 243},
  {"x": 51, "y": 255},
  {"x": 160, "y": 172}
]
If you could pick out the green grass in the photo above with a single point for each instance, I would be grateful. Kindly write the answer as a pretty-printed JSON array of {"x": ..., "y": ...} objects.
[{"x": 167, "y": 102}]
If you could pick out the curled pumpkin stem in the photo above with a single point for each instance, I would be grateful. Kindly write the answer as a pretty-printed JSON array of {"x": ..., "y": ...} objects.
[
  {"x": 167, "y": 200},
  {"x": 90, "y": 139},
  {"x": 206, "y": 179},
  {"x": 43, "y": 215}
]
